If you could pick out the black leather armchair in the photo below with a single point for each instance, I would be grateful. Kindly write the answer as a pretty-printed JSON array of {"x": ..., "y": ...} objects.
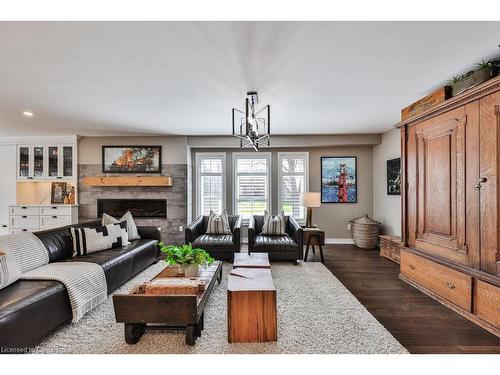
[
  {"x": 286, "y": 247},
  {"x": 219, "y": 246}
]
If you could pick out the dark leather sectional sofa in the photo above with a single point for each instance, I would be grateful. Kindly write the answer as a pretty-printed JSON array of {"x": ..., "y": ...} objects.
[
  {"x": 287, "y": 247},
  {"x": 219, "y": 246},
  {"x": 29, "y": 310}
]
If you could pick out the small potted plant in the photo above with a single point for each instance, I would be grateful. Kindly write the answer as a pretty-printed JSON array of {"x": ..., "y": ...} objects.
[
  {"x": 186, "y": 257},
  {"x": 483, "y": 72}
]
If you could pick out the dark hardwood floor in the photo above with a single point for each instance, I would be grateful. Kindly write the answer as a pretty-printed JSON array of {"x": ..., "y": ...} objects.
[{"x": 419, "y": 323}]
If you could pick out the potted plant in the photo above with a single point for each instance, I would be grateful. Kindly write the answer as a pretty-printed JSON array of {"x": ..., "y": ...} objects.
[
  {"x": 187, "y": 257},
  {"x": 483, "y": 72}
]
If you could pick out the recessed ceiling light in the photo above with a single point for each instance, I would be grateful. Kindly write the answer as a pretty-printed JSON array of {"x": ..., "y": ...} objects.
[{"x": 28, "y": 113}]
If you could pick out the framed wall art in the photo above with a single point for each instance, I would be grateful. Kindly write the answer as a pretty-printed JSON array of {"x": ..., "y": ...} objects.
[
  {"x": 394, "y": 176},
  {"x": 131, "y": 159},
  {"x": 339, "y": 179}
]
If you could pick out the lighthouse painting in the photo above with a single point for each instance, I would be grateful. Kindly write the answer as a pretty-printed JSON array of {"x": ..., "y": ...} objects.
[{"x": 339, "y": 179}]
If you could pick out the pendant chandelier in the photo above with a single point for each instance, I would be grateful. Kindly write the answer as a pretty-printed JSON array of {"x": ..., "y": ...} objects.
[{"x": 251, "y": 127}]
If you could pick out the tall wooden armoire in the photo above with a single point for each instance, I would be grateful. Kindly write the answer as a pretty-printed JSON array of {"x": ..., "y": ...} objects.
[{"x": 450, "y": 157}]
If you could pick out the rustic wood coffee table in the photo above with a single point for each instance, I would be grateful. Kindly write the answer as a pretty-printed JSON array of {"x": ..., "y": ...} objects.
[
  {"x": 166, "y": 311},
  {"x": 253, "y": 260},
  {"x": 251, "y": 306}
]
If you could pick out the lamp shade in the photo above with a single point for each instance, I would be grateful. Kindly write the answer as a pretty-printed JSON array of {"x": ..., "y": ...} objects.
[{"x": 310, "y": 199}]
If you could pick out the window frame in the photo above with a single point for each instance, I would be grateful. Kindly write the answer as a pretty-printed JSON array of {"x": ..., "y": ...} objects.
[
  {"x": 303, "y": 154},
  {"x": 251, "y": 155},
  {"x": 199, "y": 156}
]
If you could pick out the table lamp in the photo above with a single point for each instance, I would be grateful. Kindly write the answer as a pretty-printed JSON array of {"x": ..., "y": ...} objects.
[{"x": 310, "y": 200}]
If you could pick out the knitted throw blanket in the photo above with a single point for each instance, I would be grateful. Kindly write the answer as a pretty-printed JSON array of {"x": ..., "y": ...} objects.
[{"x": 84, "y": 281}]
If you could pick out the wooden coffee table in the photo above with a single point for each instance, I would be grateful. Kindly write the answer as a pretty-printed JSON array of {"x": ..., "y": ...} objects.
[
  {"x": 253, "y": 260},
  {"x": 166, "y": 311},
  {"x": 251, "y": 306}
]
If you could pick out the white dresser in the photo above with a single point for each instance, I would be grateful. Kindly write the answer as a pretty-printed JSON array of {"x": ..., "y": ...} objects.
[{"x": 32, "y": 218}]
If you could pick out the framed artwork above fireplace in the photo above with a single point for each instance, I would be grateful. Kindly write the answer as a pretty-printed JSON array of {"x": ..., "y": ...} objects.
[{"x": 131, "y": 159}]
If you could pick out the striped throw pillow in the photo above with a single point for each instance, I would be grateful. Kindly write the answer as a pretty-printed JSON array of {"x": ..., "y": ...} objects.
[
  {"x": 218, "y": 224},
  {"x": 92, "y": 240},
  {"x": 274, "y": 226}
]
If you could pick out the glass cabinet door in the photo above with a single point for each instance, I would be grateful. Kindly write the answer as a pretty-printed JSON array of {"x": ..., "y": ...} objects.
[
  {"x": 67, "y": 164},
  {"x": 38, "y": 161},
  {"x": 24, "y": 162},
  {"x": 53, "y": 162}
]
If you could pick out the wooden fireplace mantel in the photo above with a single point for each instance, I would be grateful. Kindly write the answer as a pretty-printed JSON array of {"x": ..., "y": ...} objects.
[{"x": 128, "y": 181}]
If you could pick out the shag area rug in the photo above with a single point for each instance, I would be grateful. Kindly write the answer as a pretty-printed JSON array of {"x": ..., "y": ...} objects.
[{"x": 316, "y": 314}]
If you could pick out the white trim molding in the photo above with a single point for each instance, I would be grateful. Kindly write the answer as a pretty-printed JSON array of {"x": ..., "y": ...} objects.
[
  {"x": 251, "y": 155},
  {"x": 305, "y": 174},
  {"x": 209, "y": 155},
  {"x": 339, "y": 241}
]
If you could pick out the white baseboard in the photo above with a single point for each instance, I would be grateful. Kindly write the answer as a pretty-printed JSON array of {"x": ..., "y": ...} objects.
[
  {"x": 339, "y": 241},
  {"x": 328, "y": 241}
]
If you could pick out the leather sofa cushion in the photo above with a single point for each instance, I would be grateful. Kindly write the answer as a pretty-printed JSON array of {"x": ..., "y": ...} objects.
[
  {"x": 57, "y": 242},
  {"x": 122, "y": 263},
  {"x": 274, "y": 243},
  {"x": 218, "y": 241},
  {"x": 29, "y": 309}
]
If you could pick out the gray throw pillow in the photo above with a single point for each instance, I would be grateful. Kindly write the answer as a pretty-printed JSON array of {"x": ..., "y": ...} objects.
[{"x": 133, "y": 233}]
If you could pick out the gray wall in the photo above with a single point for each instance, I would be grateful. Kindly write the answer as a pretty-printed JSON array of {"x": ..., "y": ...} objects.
[
  {"x": 174, "y": 163},
  {"x": 333, "y": 218},
  {"x": 386, "y": 208}
]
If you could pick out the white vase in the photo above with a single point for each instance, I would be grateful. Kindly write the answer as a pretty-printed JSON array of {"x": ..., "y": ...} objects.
[{"x": 191, "y": 270}]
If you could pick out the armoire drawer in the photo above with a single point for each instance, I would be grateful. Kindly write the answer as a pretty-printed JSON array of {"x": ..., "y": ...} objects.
[
  {"x": 24, "y": 210},
  {"x": 449, "y": 284},
  {"x": 488, "y": 303},
  {"x": 25, "y": 222},
  {"x": 55, "y": 210},
  {"x": 54, "y": 221}
]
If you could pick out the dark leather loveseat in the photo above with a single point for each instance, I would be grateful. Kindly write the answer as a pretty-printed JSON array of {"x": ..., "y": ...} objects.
[
  {"x": 286, "y": 247},
  {"x": 29, "y": 310},
  {"x": 219, "y": 246}
]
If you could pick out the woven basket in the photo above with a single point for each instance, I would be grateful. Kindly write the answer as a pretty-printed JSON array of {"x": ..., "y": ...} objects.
[{"x": 365, "y": 232}]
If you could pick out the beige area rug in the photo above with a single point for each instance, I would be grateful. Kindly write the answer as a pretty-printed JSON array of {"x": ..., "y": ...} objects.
[{"x": 316, "y": 314}]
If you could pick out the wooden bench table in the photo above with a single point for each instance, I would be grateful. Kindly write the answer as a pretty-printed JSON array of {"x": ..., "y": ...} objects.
[
  {"x": 174, "y": 311},
  {"x": 254, "y": 260},
  {"x": 251, "y": 304}
]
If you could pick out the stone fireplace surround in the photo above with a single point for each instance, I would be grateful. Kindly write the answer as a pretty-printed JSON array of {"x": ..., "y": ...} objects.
[{"x": 176, "y": 196}]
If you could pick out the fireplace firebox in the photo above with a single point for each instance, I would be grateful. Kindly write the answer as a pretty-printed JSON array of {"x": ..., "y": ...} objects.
[{"x": 151, "y": 208}]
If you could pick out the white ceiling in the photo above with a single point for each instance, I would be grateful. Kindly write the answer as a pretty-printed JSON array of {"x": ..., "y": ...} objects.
[{"x": 123, "y": 78}]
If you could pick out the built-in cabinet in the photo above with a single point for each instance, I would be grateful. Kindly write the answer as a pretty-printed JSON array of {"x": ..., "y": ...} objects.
[
  {"x": 46, "y": 161},
  {"x": 35, "y": 218},
  {"x": 450, "y": 158},
  {"x": 29, "y": 167}
]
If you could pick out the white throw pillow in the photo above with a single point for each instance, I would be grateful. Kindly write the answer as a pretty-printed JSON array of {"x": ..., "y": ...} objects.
[
  {"x": 133, "y": 233},
  {"x": 9, "y": 270},
  {"x": 218, "y": 224},
  {"x": 92, "y": 240},
  {"x": 274, "y": 226}
]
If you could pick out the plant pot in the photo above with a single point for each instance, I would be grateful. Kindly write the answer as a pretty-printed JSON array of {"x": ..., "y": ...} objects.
[
  {"x": 474, "y": 79},
  {"x": 191, "y": 270}
]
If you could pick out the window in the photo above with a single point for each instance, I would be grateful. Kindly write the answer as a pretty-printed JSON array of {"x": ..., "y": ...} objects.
[
  {"x": 293, "y": 179},
  {"x": 210, "y": 182},
  {"x": 252, "y": 180}
]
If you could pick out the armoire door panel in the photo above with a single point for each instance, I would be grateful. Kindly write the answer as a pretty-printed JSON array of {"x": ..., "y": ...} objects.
[
  {"x": 439, "y": 178},
  {"x": 437, "y": 185},
  {"x": 488, "y": 186}
]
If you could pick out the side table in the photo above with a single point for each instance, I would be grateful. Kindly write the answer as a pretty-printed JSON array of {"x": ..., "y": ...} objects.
[{"x": 314, "y": 237}]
